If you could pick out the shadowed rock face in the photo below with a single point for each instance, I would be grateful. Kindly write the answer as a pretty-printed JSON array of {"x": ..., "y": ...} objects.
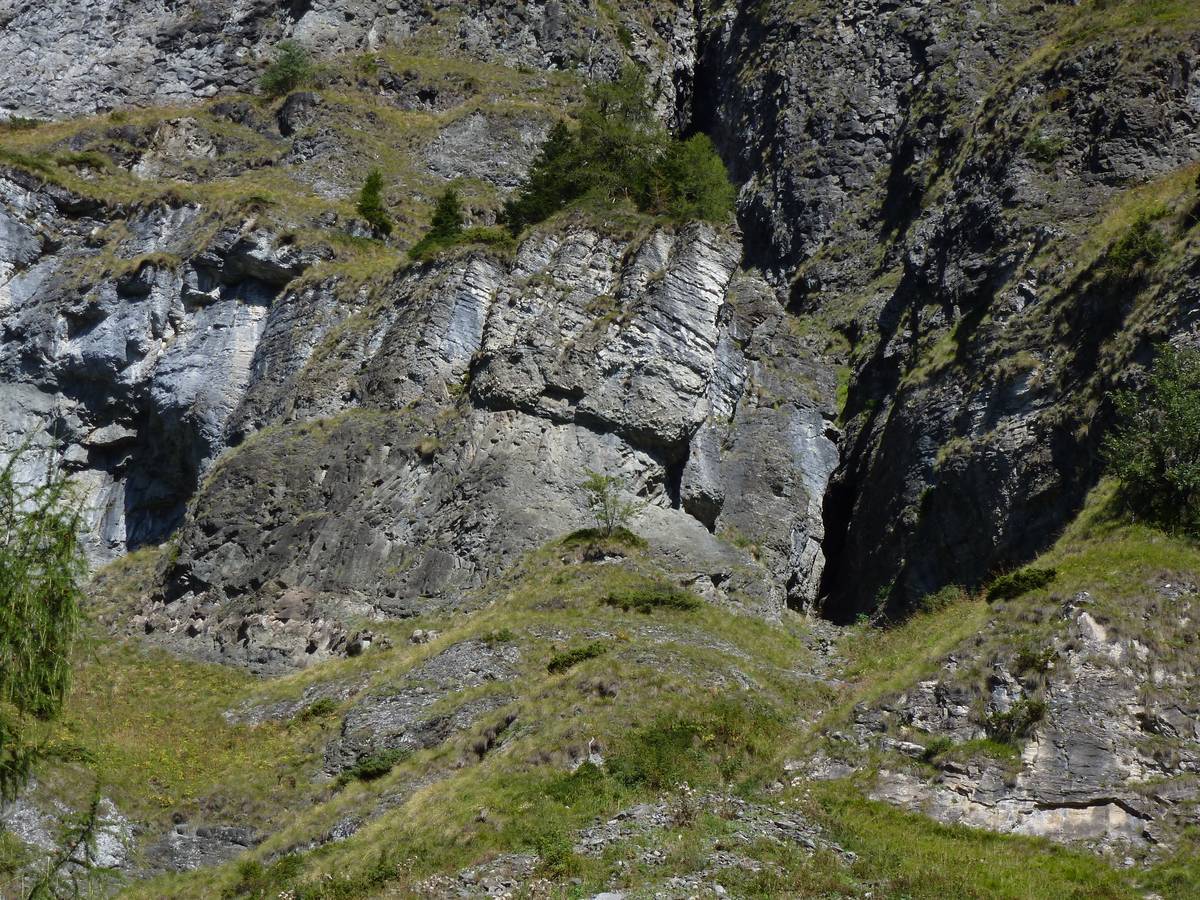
[{"x": 924, "y": 178}]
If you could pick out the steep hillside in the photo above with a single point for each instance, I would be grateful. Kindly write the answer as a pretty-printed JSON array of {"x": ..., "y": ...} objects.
[{"x": 347, "y": 638}]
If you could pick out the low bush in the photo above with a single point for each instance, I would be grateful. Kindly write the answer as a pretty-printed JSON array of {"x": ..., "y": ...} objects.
[
  {"x": 258, "y": 881},
  {"x": 500, "y": 636},
  {"x": 484, "y": 236},
  {"x": 1010, "y": 727},
  {"x": 19, "y": 123},
  {"x": 371, "y": 767},
  {"x": 556, "y": 853},
  {"x": 1154, "y": 450},
  {"x": 561, "y": 662},
  {"x": 658, "y": 756},
  {"x": 318, "y": 709},
  {"x": 1018, "y": 582},
  {"x": 1141, "y": 245},
  {"x": 619, "y": 536},
  {"x": 291, "y": 69},
  {"x": 646, "y": 598},
  {"x": 585, "y": 785},
  {"x": 941, "y": 599}
]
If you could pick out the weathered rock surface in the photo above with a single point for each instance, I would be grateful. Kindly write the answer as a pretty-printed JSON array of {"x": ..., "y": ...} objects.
[
  {"x": 656, "y": 360},
  {"x": 71, "y": 59},
  {"x": 1112, "y": 753}
]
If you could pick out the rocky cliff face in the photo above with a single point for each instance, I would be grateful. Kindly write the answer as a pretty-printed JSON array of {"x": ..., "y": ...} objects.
[
  {"x": 937, "y": 187},
  {"x": 397, "y": 444},
  {"x": 890, "y": 376}
]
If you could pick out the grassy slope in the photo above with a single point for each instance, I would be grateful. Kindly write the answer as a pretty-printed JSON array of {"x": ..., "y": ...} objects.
[{"x": 153, "y": 728}]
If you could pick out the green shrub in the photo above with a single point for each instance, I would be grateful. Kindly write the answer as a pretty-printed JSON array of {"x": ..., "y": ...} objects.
[
  {"x": 621, "y": 152},
  {"x": 936, "y": 746},
  {"x": 371, "y": 206},
  {"x": 1045, "y": 147},
  {"x": 41, "y": 566},
  {"x": 561, "y": 662},
  {"x": 318, "y": 709},
  {"x": 586, "y": 785},
  {"x": 1154, "y": 450},
  {"x": 604, "y": 495},
  {"x": 659, "y": 756},
  {"x": 446, "y": 228},
  {"x": 556, "y": 854},
  {"x": 15, "y": 855},
  {"x": 502, "y": 636},
  {"x": 19, "y": 123},
  {"x": 292, "y": 68},
  {"x": 1018, "y": 582},
  {"x": 942, "y": 599},
  {"x": 691, "y": 182},
  {"x": 1141, "y": 244},
  {"x": 648, "y": 597},
  {"x": 371, "y": 767},
  {"x": 620, "y": 537},
  {"x": 1010, "y": 727},
  {"x": 429, "y": 247},
  {"x": 1031, "y": 658},
  {"x": 261, "y": 882}
]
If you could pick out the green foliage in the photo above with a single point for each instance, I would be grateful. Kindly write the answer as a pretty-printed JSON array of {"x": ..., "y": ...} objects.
[
  {"x": 1141, "y": 245},
  {"x": 1033, "y": 659},
  {"x": 1045, "y": 147},
  {"x": 620, "y": 537},
  {"x": 1020, "y": 581},
  {"x": 621, "y": 152},
  {"x": 318, "y": 709},
  {"x": 604, "y": 499},
  {"x": 15, "y": 855},
  {"x": 292, "y": 68},
  {"x": 501, "y": 636},
  {"x": 1154, "y": 450},
  {"x": 561, "y": 662},
  {"x": 651, "y": 596},
  {"x": 658, "y": 756},
  {"x": 372, "y": 767},
  {"x": 69, "y": 870},
  {"x": 941, "y": 599},
  {"x": 261, "y": 882},
  {"x": 447, "y": 215},
  {"x": 429, "y": 246},
  {"x": 584, "y": 785},
  {"x": 692, "y": 182},
  {"x": 19, "y": 123},
  {"x": 446, "y": 230},
  {"x": 556, "y": 854},
  {"x": 40, "y": 569},
  {"x": 1010, "y": 727},
  {"x": 371, "y": 206}
]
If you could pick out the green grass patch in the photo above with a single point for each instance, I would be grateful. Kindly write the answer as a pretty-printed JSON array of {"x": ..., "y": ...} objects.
[
  {"x": 598, "y": 537},
  {"x": 651, "y": 596},
  {"x": 904, "y": 854}
]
